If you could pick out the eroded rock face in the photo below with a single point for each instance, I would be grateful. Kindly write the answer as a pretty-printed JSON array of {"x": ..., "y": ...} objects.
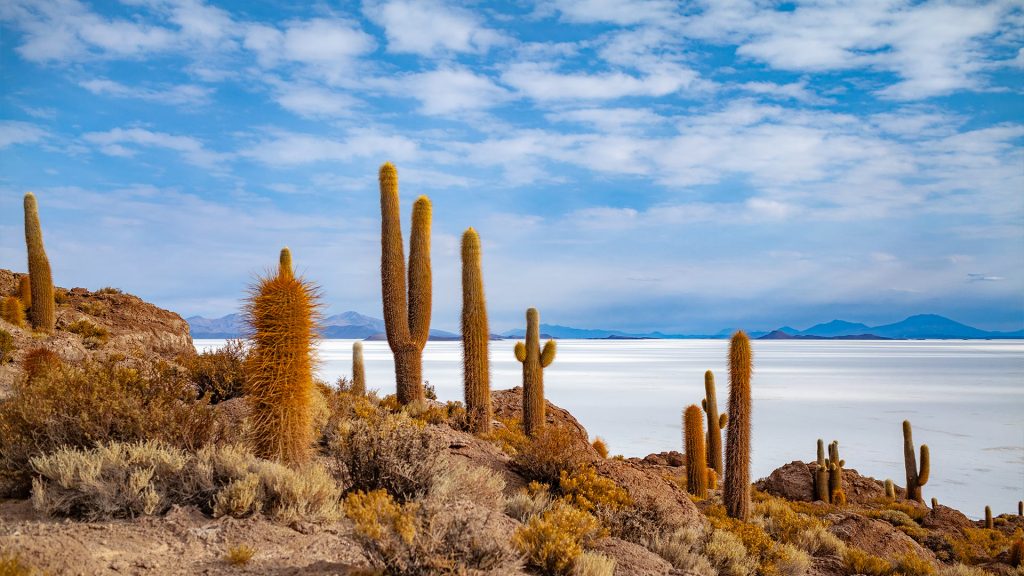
[
  {"x": 631, "y": 558},
  {"x": 795, "y": 482},
  {"x": 647, "y": 487},
  {"x": 876, "y": 537},
  {"x": 134, "y": 328}
]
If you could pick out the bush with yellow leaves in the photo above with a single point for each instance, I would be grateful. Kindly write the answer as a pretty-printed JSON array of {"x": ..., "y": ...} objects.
[
  {"x": 588, "y": 491},
  {"x": 554, "y": 540}
]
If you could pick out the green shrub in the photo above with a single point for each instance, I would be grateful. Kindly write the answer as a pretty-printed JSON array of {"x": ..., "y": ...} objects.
[{"x": 98, "y": 402}]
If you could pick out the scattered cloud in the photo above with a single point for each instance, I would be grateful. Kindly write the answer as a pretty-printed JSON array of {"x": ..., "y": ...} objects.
[
  {"x": 542, "y": 82},
  {"x": 124, "y": 142},
  {"x": 427, "y": 28},
  {"x": 13, "y": 133},
  {"x": 173, "y": 94}
]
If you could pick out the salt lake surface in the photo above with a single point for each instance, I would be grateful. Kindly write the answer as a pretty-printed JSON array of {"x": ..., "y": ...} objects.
[{"x": 964, "y": 398}]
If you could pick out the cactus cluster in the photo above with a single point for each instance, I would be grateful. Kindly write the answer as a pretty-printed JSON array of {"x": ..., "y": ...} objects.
[
  {"x": 406, "y": 310},
  {"x": 696, "y": 459},
  {"x": 534, "y": 360},
  {"x": 916, "y": 477},
  {"x": 716, "y": 423},
  {"x": 736, "y": 490},
  {"x": 282, "y": 311},
  {"x": 828, "y": 474},
  {"x": 42, "y": 314},
  {"x": 476, "y": 338}
]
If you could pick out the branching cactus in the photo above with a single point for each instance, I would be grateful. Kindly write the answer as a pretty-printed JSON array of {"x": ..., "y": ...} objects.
[
  {"x": 282, "y": 311},
  {"x": 534, "y": 361},
  {"x": 716, "y": 423},
  {"x": 736, "y": 491},
  {"x": 358, "y": 372},
  {"x": 916, "y": 478},
  {"x": 406, "y": 313},
  {"x": 476, "y": 338},
  {"x": 821, "y": 491},
  {"x": 696, "y": 460},
  {"x": 42, "y": 314},
  {"x": 25, "y": 291},
  {"x": 835, "y": 472}
]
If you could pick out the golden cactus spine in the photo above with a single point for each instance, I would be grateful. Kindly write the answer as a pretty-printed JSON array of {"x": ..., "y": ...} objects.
[
  {"x": 716, "y": 423},
  {"x": 282, "y": 311},
  {"x": 12, "y": 311},
  {"x": 475, "y": 338},
  {"x": 25, "y": 291},
  {"x": 736, "y": 489},
  {"x": 696, "y": 459},
  {"x": 406, "y": 312},
  {"x": 358, "y": 372},
  {"x": 916, "y": 478},
  {"x": 42, "y": 315},
  {"x": 534, "y": 361}
]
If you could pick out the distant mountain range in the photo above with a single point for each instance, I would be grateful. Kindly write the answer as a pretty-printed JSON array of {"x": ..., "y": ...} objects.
[{"x": 353, "y": 325}]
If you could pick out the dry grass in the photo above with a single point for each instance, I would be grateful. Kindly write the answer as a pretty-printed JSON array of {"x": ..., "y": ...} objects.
[
  {"x": 550, "y": 452},
  {"x": 508, "y": 435},
  {"x": 754, "y": 539},
  {"x": 592, "y": 564},
  {"x": 912, "y": 565},
  {"x": 93, "y": 336},
  {"x": 817, "y": 541},
  {"x": 788, "y": 560},
  {"x": 978, "y": 545},
  {"x": 681, "y": 548},
  {"x": 12, "y": 565},
  {"x": 601, "y": 446},
  {"x": 728, "y": 555},
  {"x": 526, "y": 504},
  {"x": 96, "y": 403},
  {"x": 239, "y": 555},
  {"x": 219, "y": 374},
  {"x": 588, "y": 491},
  {"x": 7, "y": 348},
  {"x": 552, "y": 541},
  {"x": 857, "y": 561}
]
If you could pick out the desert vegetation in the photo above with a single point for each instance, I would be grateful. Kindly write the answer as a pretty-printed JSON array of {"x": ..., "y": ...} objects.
[{"x": 502, "y": 483}]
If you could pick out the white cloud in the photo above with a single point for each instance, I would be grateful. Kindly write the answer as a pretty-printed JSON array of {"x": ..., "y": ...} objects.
[
  {"x": 542, "y": 82},
  {"x": 293, "y": 149},
  {"x": 315, "y": 102},
  {"x": 793, "y": 91},
  {"x": 622, "y": 12},
  {"x": 449, "y": 90},
  {"x": 122, "y": 142},
  {"x": 13, "y": 133},
  {"x": 173, "y": 94},
  {"x": 326, "y": 44},
  {"x": 609, "y": 119},
  {"x": 427, "y": 27}
]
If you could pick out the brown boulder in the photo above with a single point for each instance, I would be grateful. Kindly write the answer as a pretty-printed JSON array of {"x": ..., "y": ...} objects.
[
  {"x": 946, "y": 519},
  {"x": 795, "y": 482},
  {"x": 648, "y": 488},
  {"x": 670, "y": 458},
  {"x": 632, "y": 559},
  {"x": 509, "y": 404},
  {"x": 876, "y": 537},
  {"x": 480, "y": 452}
]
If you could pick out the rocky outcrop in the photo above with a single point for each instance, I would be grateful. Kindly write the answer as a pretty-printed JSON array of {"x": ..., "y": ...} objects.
[
  {"x": 508, "y": 404},
  {"x": 795, "y": 482},
  {"x": 133, "y": 328},
  {"x": 632, "y": 559},
  {"x": 876, "y": 537}
]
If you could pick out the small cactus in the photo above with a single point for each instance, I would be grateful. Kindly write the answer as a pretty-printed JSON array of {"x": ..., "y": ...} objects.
[
  {"x": 406, "y": 313},
  {"x": 25, "y": 291},
  {"x": 988, "y": 518},
  {"x": 839, "y": 497},
  {"x": 282, "y": 311},
  {"x": 358, "y": 372},
  {"x": 736, "y": 492},
  {"x": 534, "y": 361},
  {"x": 835, "y": 470},
  {"x": 696, "y": 460},
  {"x": 935, "y": 503},
  {"x": 42, "y": 314},
  {"x": 890, "y": 489},
  {"x": 1020, "y": 508},
  {"x": 476, "y": 337},
  {"x": 285, "y": 263},
  {"x": 821, "y": 491},
  {"x": 12, "y": 311},
  {"x": 716, "y": 423},
  {"x": 1017, "y": 550},
  {"x": 915, "y": 478}
]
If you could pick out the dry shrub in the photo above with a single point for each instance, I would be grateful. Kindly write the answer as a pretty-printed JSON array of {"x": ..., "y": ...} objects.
[
  {"x": 916, "y": 511},
  {"x": 239, "y": 555},
  {"x": 128, "y": 480},
  {"x": 961, "y": 570},
  {"x": 462, "y": 481},
  {"x": 681, "y": 548},
  {"x": 219, "y": 374},
  {"x": 508, "y": 435},
  {"x": 93, "y": 335},
  {"x": 98, "y": 402},
  {"x": 593, "y": 564},
  {"x": 420, "y": 538},
  {"x": 39, "y": 361},
  {"x": 978, "y": 545},
  {"x": 109, "y": 290},
  {"x": 7, "y": 348},
  {"x": 857, "y": 561},
  {"x": 728, "y": 555},
  {"x": 788, "y": 560},
  {"x": 913, "y": 565},
  {"x": 588, "y": 491},
  {"x": 12, "y": 565},
  {"x": 393, "y": 452},
  {"x": 818, "y": 541},
  {"x": 895, "y": 517},
  {"x": 96, "y": 308},
  {"x": 601, "y": 446},
  {"x": 551, "y": 451},
  {"x": 780, "y": 521},
  {"x": 527, "y": 503},
  {"x": 641, "y": 522},
  {"x": 753, "y": 537},
  {"x": 554, "y": 540}
]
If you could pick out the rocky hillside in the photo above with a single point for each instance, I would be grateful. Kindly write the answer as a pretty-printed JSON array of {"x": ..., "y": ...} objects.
[{"x": 98, "y": 324}]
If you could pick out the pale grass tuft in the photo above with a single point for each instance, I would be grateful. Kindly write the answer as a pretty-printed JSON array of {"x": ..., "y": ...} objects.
[
  {"x": 790, "y": 560},
  {"x": 593, "y": 564},
  {"x": 728, "y": 555},
  {"x": 239, "y": 555},
  {"x": 818, "y": 541},
  {"x": 681, "y": 549},
  {"x": 526, "y": 504}
]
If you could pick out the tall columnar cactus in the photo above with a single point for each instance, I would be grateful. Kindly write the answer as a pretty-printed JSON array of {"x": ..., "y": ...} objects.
[
  {"x": 534, "y": 361},
  {"x": 736, "y": 491},
  {"x": 696, "y": 459},
  {"x": 988, "y": 518},
  {"x": 12, "y": 311},
  {"x": 358, "y": 372},
  {"x": 916, "y": 478},
  {"x": 282, "y": 311},
  {"x": 406, "y": 312},
  {"x": 835, "y": 473},
  {"x": 821, "y": 491},
  {"x": 25, "y": 291},
  {"x": 890, "y": 489},
  {"x": 42, "y": 314},
  {"x": 716, "y": 423},
  {"x": 476, "y": 338}
]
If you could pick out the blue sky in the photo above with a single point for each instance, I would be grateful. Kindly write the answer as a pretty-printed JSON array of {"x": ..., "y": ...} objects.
[{"x": 635, "y": 165}]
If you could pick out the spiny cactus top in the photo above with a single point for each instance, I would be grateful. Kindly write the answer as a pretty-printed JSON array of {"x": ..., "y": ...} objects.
[
  {"x": 42, "y": 315},
  {"x": 736, "y": 489},
  {"x": 475, "y": 337}
]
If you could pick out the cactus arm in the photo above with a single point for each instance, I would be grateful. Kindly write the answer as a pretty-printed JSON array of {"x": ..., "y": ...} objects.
[
  {"x": 704, "y": 404},
  {"x": 723, "y": 421},
  {"x": 547, "y": 356},
  {"x": 285, "y": 263},
  {"x": 922, "y": 476},
  {"x": 520, "y": 351},
  {"x": 419, "y": 273}
]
